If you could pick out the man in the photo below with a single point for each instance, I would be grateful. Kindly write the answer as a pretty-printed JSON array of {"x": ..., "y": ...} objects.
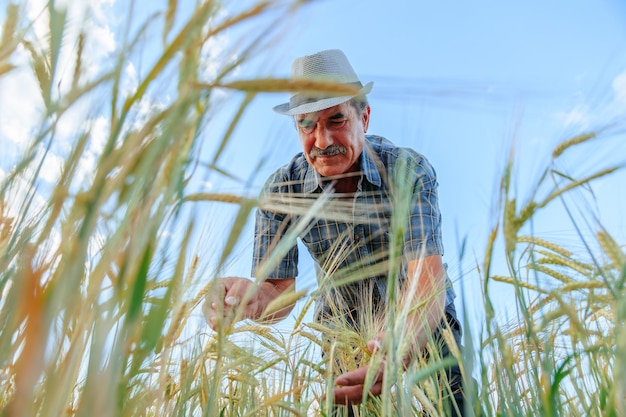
[{"x": 353, "y": 177}]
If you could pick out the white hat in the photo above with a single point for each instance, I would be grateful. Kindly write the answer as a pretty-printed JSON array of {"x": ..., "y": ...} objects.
[{"x": 327, "y": 66}]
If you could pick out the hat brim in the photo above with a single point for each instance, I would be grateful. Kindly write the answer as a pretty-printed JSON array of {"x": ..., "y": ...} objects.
[{"x": 321, "y": 104}]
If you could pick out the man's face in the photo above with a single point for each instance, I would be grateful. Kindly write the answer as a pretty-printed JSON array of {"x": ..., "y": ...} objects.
[{"x": 333, "y": 139}]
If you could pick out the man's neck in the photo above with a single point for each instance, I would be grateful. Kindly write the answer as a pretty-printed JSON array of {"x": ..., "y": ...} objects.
[{"x": 346, "y": 185}]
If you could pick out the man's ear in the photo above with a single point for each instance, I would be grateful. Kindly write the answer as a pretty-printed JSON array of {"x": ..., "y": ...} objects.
[{"x": 365, "y": 118}]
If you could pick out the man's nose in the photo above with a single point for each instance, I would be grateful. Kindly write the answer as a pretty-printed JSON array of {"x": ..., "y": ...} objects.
[{"x": 323, "y": 137}]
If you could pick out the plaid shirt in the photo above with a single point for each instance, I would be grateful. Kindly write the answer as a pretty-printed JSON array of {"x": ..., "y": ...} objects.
[{"x": 349, "y": 236}]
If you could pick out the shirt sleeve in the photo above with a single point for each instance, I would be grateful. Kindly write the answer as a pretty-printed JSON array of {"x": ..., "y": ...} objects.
[
  {"x": 269, "y": 228},
  {"x": 423, "y": 230}
]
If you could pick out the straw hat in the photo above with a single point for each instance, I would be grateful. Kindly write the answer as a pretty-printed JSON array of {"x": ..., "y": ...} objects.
[{"x": 327, "y": 66}]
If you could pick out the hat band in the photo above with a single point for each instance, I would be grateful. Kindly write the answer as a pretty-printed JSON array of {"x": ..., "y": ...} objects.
[{"x": 300, "y": 99}]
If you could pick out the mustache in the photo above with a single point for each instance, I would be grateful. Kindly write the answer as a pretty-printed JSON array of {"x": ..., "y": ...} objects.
[{"x": 330, "y": 151}]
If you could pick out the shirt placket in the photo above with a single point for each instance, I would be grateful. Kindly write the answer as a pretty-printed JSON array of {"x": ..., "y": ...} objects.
[
  {"x": 358, "y": 232},
  {"x": 361, "y": 200}
]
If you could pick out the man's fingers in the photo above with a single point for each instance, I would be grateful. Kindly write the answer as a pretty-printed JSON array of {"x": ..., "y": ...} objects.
[
  {"x": 348, "y": 395},
  {"x": 223, "y": 303},
  {"x": 218, "y": 305},
  {"x": 358, "y": 376},
  {"x": 354, "y": 394},
  {"x": 355, "y": 377},
  {"x": 209, "y": 310},
  {"x": 232, "y": 300},
  {"x": 377, "y": 388},
  {"x": 373, "y": 345}
]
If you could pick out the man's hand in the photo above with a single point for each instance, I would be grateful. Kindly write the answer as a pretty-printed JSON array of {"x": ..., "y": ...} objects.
[
  {"x": 223, "y": 305},
  {"x": 224, "y": 299},
  {"x": 349, "y": 390}
]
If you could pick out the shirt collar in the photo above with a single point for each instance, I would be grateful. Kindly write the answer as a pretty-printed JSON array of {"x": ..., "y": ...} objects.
[{"x": 312, "y": 180}]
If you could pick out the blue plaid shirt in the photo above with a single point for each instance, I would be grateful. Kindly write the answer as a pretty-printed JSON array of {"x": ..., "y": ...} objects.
[{"x": 349, "y": 236}]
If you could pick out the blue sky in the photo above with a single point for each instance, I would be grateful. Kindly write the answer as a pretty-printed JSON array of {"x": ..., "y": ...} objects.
[{"x": 463, "y": 82}]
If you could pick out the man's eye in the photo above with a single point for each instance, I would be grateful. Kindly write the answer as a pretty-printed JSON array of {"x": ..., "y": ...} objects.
[
  {"x": 336, "y": 124},
  {"x": 307, "y": 125}
]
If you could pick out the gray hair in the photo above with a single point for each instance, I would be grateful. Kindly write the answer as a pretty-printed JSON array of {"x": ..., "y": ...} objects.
[{"x": 359, "y": 103}]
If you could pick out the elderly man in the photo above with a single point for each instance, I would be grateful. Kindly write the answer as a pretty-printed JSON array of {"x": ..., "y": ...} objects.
[{"x": 341, "y": 164}]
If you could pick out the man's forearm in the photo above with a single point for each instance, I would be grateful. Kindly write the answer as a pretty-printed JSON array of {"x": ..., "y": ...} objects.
[
  {"x": 422, "y": 322},
  {"x": 425, "y": 297}
]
